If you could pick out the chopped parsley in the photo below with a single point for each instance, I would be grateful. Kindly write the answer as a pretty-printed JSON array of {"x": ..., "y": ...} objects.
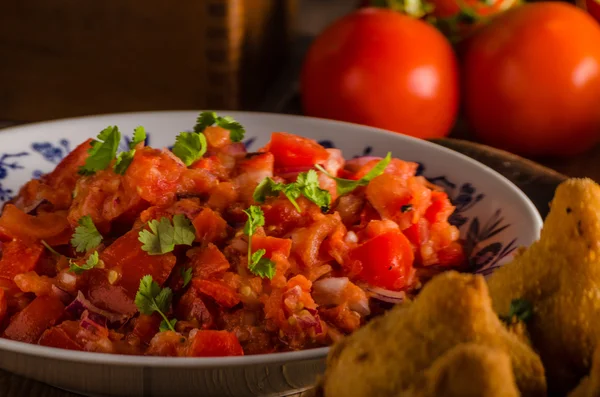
[
  {"x": 520, "y": 309},
  {"x": 207, "y": 119},
  {"x": 102, "y": 152},
  {"x": 345, "y": 186},
  {"x": 91, "y": 262},
  {"x": 186, "y": 275},
  {"x": 189, "y": 147},
  {"x": 124, "y": 159},
  {"x": 151, "y": 298},
  {"x": 257, "y": 263},
  {"x": 307, "y": 185},
  {"x": 86, "y": 236},
  {"x": 163, "y": 235}
]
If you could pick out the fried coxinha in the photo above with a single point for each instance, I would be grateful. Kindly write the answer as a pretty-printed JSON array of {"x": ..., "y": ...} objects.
[
  {"x": 408, "y": 350},
  {"x": 450, "y": 340},
  {"x": 560, "y": 276}
]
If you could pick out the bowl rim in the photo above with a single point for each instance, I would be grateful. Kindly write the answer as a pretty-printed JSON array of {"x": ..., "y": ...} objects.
[{"x": 212, "y": 362}]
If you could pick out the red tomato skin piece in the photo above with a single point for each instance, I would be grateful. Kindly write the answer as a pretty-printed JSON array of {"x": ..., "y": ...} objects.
[
  {"x": 291, "y": 151},
  {"x": 59, "y": 338},
  {"x": 30, "y": 323},
  {"x": 126, "y": 257},
  {"x": 209, "y": 343},
  {"x": 217, "y": 290},
  {"x": 271, "y": 245},
  {"x": 386, "y": 260},
  {"x": 19, "y": 257},
  {"x": 210, "y": 226},
  {"x": 54, "y": 228},
  {"x": 410, "y": 62}
]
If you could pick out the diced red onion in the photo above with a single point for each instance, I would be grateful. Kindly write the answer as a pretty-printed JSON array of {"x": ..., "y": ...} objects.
[
  {"x": 309, "y": 319},
  {"x": 328, "y": 291},
  {"x": 92, "y": 321},
  {"x": 237, "y": 149},
  {"x": 386, "y": 295},
  {"x": 351, "y": 237},
  {"x": 62, "y": 295},
  {"x": 80, "y": 304}
]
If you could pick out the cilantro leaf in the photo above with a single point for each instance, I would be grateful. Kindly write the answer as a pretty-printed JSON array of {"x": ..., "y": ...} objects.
[
  {"x": 258, "y": 265},
  {"x": 520, "y": 310},
  {"x": 207, "y": 119},
  {"x": 86, "y": 236},
  {"x": 186, "y": 275},
  {"x": 151, "y": 298},
  {"x": 164, "y": 236},
  {"x": 261, "y": 266},
  {"x": 139, "y": 136},
  {"x": 345, "y": 186},
  {"x": 102, "y": 152},
  {"x": 189, "y": 147},
  {"x": 236, "y": 130},
  {"x": 269, "y": 188},
  {"x": 124, "y": 159},
  {"x": 91, "y": 262},
  {"x": 256, "y": 219},
  {"x": 308, "y": 184},
  {"x": 167, "y": 325}
]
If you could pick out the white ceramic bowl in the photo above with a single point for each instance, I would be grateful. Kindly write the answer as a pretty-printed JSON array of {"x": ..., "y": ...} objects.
[{"x": 493, "y": 215}]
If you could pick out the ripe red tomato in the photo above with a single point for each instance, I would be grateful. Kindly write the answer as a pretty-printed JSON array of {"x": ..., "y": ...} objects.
[
  {"x": 381, "y": 68},
  {"x": 532, "y": 80},
  {"x": 592, "y": 6}
]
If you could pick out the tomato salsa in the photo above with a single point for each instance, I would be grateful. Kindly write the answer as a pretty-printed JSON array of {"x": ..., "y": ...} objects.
[{"x": 208, "y": 250}]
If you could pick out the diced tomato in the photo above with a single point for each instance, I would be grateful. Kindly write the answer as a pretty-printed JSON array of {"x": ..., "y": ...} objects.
[
  {"x": 217, "y": 290},
  {"x": 210, "y": 226},
  {"x": 440, "y": 208},
  {"x": 271, "y": 245},
  {"x": 196, "y": 181},
  {"x": 59, "y": 338},
  {"x": 67, "y": 171},
  {"x": 19, "y": 257},
  {"x": 3, "y": 305},
  {"x": 126, "y": 258},
  {"x": 32, "y": 282},
  {"x": 282, "y": 216},
  {"x": 154, "y": 174},
  {"x": 452, "y": 255},
  {"x": 217, "y": 137},
  {"x": 214, "y": 344},
  {"x": 166, "y": 344},
  {"x": 146, "y": 327},
  {"x": 222, "y": 196},
  {"x": 52, "y": 227},
  {"x": 342, "y": 317},
  {"x": 208, "y": 262},
  {"x": 191, "y": 307},
  {"x": 295, "y": 151},
  {"x": 307, "y": 241},
  {"x": 31, "y": 322},
  {"x": 386, "y": 260},
  {"x": 214, "y": 165},
  {"x": 396, "y": 167}
]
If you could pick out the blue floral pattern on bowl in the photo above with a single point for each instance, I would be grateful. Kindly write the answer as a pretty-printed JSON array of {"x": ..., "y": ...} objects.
[{"x": 484, "y": 255}]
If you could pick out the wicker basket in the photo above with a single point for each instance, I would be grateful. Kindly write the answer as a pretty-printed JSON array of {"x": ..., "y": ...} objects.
[{"x": 64, "y": 58}]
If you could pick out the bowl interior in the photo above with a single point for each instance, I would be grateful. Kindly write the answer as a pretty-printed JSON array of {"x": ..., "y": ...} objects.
[{"x": 494, "y": 216}]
